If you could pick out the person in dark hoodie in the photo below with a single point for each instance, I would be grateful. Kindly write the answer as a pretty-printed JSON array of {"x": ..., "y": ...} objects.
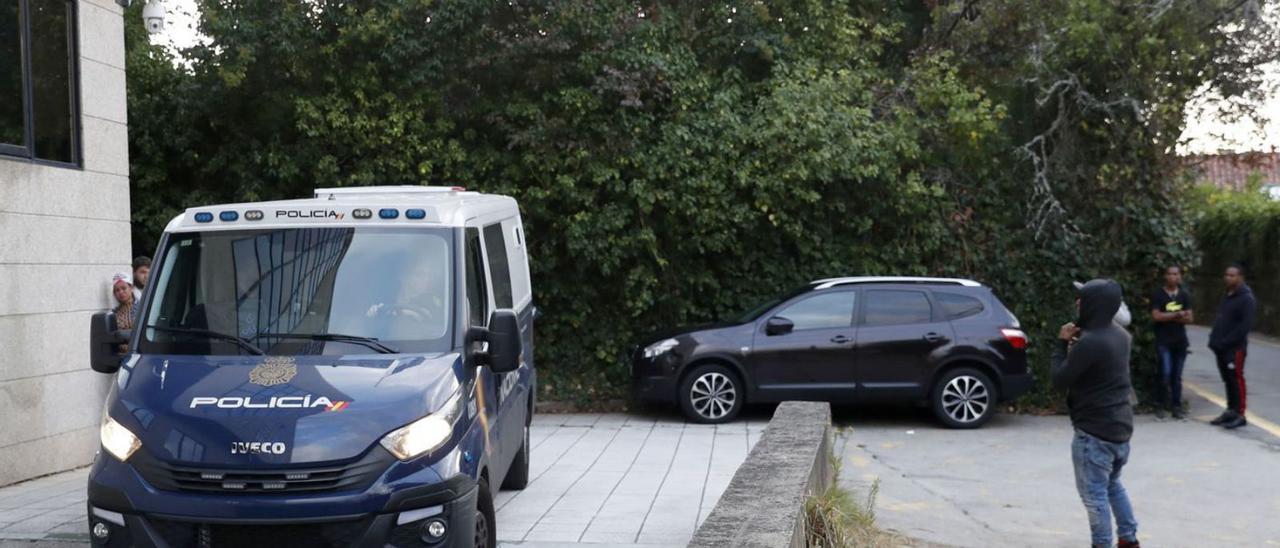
[
  {"x": 1229, "y": 341},
  {"x": 1091, "y": 362}
]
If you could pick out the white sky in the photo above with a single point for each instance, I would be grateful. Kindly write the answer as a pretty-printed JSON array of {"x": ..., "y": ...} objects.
[{"x": 1205, "y": 132}]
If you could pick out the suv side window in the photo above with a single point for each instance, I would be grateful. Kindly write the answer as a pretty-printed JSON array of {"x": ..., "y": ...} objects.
[
  {"x": 822, "y": 311},
  {"x": 477, "y": 295},
  {"x": 496, "y": 248},
  {"x": 956, "y": 306},
  {"x": 897, "y": 307}
]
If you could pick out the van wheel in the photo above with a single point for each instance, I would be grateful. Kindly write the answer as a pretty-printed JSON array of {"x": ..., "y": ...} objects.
[
  {"x": 964, "y": 398},
  {"x": 486, "y": 535},
  {"x": 518, "y": 474},
  {"x": 711, "y": 394}
]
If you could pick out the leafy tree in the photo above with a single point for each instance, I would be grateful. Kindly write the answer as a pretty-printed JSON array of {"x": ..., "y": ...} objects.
[{"x": 676, "y": 162}]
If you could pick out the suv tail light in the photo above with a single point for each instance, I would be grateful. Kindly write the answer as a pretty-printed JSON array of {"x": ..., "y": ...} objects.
[{"x": 1016, "y": 337}]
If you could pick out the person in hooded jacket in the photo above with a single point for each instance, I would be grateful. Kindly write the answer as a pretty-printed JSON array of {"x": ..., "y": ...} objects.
[
  {"x": 1229, "y": 340},
  {"x": 1091, "y": 362}
]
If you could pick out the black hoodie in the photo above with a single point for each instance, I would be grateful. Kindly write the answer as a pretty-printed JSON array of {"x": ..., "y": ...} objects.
[
  {"x": 1235, "y": 319},
  {"x": 1095, "y": 370}
]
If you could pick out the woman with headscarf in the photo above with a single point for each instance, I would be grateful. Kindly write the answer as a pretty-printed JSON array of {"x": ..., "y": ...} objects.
[{"x": 122, "y": 290}]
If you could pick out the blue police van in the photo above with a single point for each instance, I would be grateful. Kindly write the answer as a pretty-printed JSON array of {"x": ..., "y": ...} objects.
[{"x": 354, "y": 369}]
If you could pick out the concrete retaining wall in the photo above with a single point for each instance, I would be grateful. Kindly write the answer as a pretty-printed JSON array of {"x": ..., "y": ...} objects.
[{"x": 764, "y": 505}]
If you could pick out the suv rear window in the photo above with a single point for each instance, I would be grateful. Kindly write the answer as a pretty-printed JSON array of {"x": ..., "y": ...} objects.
[{"x": 956, "y": 306}]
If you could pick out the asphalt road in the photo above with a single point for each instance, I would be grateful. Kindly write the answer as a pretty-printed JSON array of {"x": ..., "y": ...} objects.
[
  {"x": 1011, "y": 483},
  {"x": 1262, "y": 377}
]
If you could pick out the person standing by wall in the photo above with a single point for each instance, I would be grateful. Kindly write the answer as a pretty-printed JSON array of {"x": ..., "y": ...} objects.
[
  {"x": 1229, "y": 341},
  {"x": 1171, "y": 311},
  {"x": 1091, "y": 362},
  {"x": 141, "y": 273}
]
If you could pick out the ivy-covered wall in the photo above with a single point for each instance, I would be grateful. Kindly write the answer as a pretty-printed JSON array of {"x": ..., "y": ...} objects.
[
  {"x": 678, "y": 162},
  {"x": 1239, "y": 227}
]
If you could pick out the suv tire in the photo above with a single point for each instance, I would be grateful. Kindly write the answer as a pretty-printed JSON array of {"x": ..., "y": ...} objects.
[
  {"x": 964, "y": 398},
  {"x": 711, "y": 394}
]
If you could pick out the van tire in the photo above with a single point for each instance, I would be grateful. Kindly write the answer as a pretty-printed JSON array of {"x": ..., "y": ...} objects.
[
  {"x": 518, "y": 475},
  {"x": 486, "y": 532},
  {"x": 715, "y": 382},
  {"x": 964, "y": 398}
]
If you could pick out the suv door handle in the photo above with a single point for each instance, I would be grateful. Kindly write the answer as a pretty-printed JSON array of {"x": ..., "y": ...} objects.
[
  {"x": 934, "y": 337},
  {"x": 840, "y": 339}
]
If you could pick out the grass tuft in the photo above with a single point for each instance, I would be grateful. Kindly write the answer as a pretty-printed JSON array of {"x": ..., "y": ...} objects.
[{"x": 837, "y": 520}]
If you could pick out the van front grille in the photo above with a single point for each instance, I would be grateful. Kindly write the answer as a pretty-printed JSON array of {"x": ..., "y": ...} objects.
[
  {"x": 355, "y": 475},
  {"x": 201, "y": 535}
]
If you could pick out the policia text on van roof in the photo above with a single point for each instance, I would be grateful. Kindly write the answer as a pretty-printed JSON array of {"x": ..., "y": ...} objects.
[{"x": 354, "y": 369}]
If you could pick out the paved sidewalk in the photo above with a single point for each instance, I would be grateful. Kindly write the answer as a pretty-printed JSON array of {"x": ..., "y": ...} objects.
[
  {"x": 599, "y": 480},
  {"x": 622, "y": 480},
  {"x": 52, "y": 507}
]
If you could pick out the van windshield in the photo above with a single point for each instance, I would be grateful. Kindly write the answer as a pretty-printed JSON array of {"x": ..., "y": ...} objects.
[{"x": 302, "y": 291}]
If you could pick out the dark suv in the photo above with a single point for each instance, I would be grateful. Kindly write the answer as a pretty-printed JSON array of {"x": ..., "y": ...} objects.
[{"x": 946, "y": 342}]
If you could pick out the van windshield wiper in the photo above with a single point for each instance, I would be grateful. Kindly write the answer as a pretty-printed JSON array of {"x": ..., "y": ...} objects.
[
  {"x": 370, "y": 342},
  {"x": 239, "y": 341}
]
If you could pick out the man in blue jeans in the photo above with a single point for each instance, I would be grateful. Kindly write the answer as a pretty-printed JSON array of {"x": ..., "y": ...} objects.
[
  {"x": 1091, "y": 362},
  {"x": 1171, "y": 312}
]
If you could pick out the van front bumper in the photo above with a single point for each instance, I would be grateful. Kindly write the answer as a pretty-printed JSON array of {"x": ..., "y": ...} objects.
[{"x": 132, "y": 513}]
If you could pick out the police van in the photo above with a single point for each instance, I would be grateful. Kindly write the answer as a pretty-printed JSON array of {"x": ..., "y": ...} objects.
[{"x": 354, "y": 369}]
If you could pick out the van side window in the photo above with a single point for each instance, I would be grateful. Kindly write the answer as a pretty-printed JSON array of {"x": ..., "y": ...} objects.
[
  {"x": 476, "y": 292},
  {"x": 496, "y": 248}
]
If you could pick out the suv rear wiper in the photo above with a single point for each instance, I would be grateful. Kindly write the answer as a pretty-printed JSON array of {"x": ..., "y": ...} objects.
[
  {"x": 239, "y": 341},
  {"x": 370, "y": 342}
]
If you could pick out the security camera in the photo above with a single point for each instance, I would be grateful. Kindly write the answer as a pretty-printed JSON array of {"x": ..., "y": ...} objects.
[{"x": 153, "y": 16}]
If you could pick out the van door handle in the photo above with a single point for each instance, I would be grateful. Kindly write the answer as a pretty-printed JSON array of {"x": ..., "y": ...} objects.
[
  {"x": 934, "y": 337},
  {"x": 840, "y": 339}
]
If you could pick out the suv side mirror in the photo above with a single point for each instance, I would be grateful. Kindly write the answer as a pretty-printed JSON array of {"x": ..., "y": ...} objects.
[
  {"x": 778, "y": 325},
  {"x": 104, "y": 342},
  {"x": 503, "y": 338}
]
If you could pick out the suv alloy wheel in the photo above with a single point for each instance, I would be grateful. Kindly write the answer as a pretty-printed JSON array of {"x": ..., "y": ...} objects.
[{"x": 964, "y": 398}]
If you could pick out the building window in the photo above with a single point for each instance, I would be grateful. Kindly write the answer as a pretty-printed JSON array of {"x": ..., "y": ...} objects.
[{"x": 38, "y": 116}]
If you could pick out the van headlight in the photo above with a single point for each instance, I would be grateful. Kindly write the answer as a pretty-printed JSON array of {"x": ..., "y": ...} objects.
[
  {"x": 659, "y": 348},
  {"x": 117, "y": 439},
  {"x": 425, "y": 434}
]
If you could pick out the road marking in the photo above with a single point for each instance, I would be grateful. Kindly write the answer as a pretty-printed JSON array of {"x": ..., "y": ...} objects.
[{"x": 1271, "y": 427}]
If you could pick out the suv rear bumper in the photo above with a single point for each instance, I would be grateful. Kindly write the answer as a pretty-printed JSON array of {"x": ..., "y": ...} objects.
[{"x": 1014, "y": 386}]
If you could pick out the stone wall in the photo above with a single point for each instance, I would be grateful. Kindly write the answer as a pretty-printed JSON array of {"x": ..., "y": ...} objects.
[
  {"x": 764, "y": 505},
  {"x": 63, "y": 232}
]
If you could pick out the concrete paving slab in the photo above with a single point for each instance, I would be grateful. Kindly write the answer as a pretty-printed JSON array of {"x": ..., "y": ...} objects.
[{"x": 598, "y": 480}]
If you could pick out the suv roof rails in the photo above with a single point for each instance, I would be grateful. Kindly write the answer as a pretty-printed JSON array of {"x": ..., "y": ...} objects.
[{"x": 833, "y": 282}]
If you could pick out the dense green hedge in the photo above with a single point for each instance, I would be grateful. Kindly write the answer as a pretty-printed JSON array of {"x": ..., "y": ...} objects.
[
  {"x": 1241, "y": 227},
  {"x": 679, "y": 161}
]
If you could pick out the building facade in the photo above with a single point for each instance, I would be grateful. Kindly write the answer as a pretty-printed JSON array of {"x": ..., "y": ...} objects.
[
  {"x": 1235, "y": 170},
  {"x": 64, "y": 223}
]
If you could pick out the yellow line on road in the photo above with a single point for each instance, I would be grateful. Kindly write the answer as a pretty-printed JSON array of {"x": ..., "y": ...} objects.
[{"x": 1271, "y": 427}]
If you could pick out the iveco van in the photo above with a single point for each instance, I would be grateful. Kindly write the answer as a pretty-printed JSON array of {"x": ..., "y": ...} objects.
[{"x": 354, "y": 369}]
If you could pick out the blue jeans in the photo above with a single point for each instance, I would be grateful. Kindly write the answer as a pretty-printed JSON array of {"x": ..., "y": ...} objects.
[
  {"x": 1171, "y": 362},
  {"x": 1097, "y": 464}
]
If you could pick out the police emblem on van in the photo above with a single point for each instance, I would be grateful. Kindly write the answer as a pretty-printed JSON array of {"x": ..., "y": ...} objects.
[
  {"x": 257, "y": 448},
  {"x": 273, "y": 371}
]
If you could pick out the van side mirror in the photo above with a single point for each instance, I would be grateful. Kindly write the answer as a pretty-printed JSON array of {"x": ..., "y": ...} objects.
[
  {"x": 104, "y": 342},
  {"x": 778, "y": 325},
  {"x": 504, "y": 343}
]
